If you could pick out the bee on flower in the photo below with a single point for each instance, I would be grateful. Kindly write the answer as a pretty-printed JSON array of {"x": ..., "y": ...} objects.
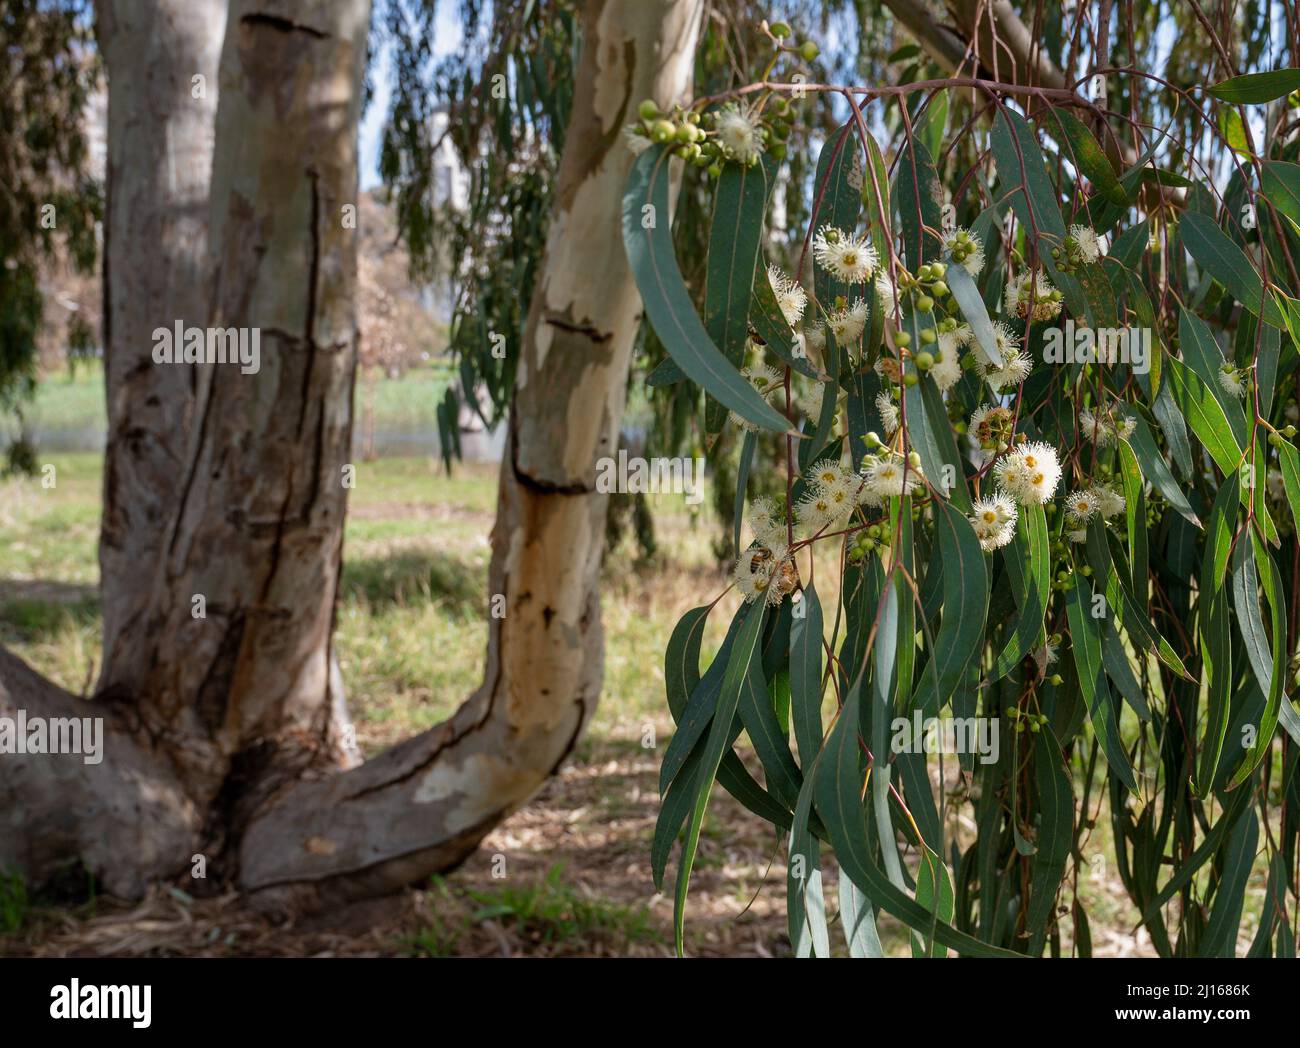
[
  {"x": 1030, "y": 473},
  {"x": 966, "y": 250},
  {"x": 767, "y": 573},
  {"x": 738, "y": 134},
  {"x": 994, "y": 521},
  {"x": 888, "y": 367},
  {"x": 845, "y": 256},
  {"x": 848, "y": 323},
  {"x": 1020, "y": 289}
]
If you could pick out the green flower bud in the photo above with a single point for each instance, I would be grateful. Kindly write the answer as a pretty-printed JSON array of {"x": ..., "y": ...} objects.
[
  {"x": 648, "y": 110},
  {"x": 663, "y": 131},
  {"x": 780, "y": 30},
  {"x": 808, "y": 50},
  {"x": 925, "y": 303},
  {"x": 928, "y": 336},
  {"x": 911, "y": 378}
]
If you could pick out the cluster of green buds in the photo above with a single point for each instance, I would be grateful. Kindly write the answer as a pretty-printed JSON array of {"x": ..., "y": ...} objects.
[
  {"x": 679, "y": 129},
  {"x": 1026, "y": 721},
  {"x": 807, "y": 50},
  {"x": 1070, "y": 255},
  {"x": 962, "y": 245},
  {"x": 927, "y": 289},
  {"x": 1064, "y": 580},
  {"x": 1275, "y": 438},
  {"x": 870, "y": 541}
]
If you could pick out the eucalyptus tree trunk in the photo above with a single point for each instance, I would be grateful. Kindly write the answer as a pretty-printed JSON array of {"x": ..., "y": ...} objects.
[
  {"x": 161, "y": 59},
  {"x": 426, "y": 804},
  {"x": 238, "y": 626},
  {"x": 226, "y": 731},
  {"x": 223, "y": 581}
]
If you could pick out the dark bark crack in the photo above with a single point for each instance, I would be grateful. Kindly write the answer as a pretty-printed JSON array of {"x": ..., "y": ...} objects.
[{"x": 281, "y": 24}]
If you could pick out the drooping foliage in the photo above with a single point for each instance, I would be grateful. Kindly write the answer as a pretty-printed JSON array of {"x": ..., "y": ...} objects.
[{"x": 1024, "y": 602}]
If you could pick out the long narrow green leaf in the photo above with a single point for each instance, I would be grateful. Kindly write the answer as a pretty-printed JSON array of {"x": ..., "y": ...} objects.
[
  {"x": 719, "y": 741},
  {"x": 1028, "y": 560},
  {"x": 649, "y": 245},
  {"x": 1256, "y": 88},
  {"x": 965, "y": 605},
  {"x": 1085, "y": 643}
]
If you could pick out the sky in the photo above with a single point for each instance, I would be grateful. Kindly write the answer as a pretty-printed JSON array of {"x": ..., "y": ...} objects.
[{"x": 372, "y": 122}]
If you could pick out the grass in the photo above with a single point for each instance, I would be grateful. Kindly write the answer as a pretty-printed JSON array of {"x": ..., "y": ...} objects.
[
  {"x": 548, "y": 915},
  {"x": 411, "y": 633},
  {"x": 75, "y": 400}
]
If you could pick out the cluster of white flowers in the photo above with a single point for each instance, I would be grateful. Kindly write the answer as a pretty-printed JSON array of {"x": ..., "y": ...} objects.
[
  {"x": 848, "y": 323},
  {"x": 832, "y": 493},
  {"x": 790, "y": 297},
  {"x": 766, "y": 381},
  {"x": 1029, "y": 473},
  {"x": 767, "y": 568},
  {"x": 845, "y": 256},
  {"x": 766, "y": 572},
  {"x": 738, "y": 133},
  {"x": 1233, "y": 380},
  {"x": 889, "y": 475},
  {"x": 1100, "y": 500},
  {"x": 1016, "y": 363},
  {"x": 994, "y": 521},
  {"x": 1019, "y": 291},
  {"x": 966, "y": 250},
  {"x": 1106, "y": 427}
]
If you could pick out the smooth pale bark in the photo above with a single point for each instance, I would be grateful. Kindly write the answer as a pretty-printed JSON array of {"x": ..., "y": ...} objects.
[
  {"x": 425, "y": 805},
  {"x": 160, "y": 134}
]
